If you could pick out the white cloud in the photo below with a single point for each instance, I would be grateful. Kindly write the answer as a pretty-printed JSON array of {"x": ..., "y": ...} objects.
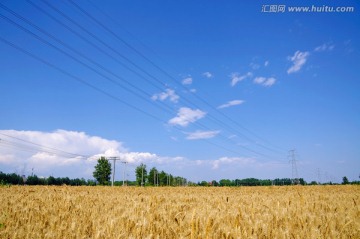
[
  {"x": 168, "y": 94},
  {"x": 324, "y": 47},
  {"x": 43, "y": 161},
  {"x": 186, "y": 116},
  {"x": 138, "y": 157},
  {"x": 236, "y": 77},
  {"x": 265, "y": 81},
  {"x": 193, "y": 90},
  {"x": 21, "y": 159},
  {"x": 266, "y": 63},
  {"x": 231, "y": 103},
  {"x": 187, "y": 81},
  {"x": 6, "y": 158},
  {"x": 66, "y": 152},
  {"x": 202, "y": 134},
  {"x": 298, "y": 60},
  {"x": 259, "y": 80},
  {"x": 207, "y": 74},
  {"x": 269, "y": 82},
  {"x": 232, "y": 161}
]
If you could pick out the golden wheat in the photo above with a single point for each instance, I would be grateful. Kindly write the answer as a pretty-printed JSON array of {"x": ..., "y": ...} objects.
[{"x": 183, "y": 212}]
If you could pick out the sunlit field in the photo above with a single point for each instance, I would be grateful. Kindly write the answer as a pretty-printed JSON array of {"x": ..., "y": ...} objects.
[{"x": 180, "y": 212}]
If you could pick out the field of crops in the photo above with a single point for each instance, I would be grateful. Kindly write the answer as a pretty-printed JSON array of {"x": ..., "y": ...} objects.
[{"x": 181, "y": 212}]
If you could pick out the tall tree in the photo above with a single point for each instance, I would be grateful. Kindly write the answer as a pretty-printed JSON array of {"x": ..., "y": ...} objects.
[
  {"x": 102, "y": 171},
  {"x": 153, "y": 178},
  {"x": 163, "y": 178},
  {"x": 345, "y": 180},
  {"x": 141, "y": 174}
]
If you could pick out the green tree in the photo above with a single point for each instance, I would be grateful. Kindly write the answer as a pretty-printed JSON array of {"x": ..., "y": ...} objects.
[
  {"x": 203, "y": 183},
  {"x": 153, "y": 178},
  {"x": 35, "y": 180},
  {"x": 141, "y": 174},
  {"x": 163, "y": 178},
  {"x": 102, "y": 171},
  {"x": 302, "y": 181},
  {"x": 51, "y": 181},
  {"x": 225, "y": 182},
  {"x": 214, "y": 183},
  {"x": 345, "y": 180}
]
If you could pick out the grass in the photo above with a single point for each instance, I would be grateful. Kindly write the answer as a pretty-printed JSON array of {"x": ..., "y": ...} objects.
[{"x": 181, "y": 212}]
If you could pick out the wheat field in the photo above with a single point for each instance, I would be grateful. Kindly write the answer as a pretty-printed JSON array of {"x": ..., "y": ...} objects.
[{"x": 180, "y": 212}]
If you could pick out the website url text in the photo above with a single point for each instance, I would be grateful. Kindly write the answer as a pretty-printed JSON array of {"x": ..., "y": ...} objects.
[{"x": 283, "y": 8}]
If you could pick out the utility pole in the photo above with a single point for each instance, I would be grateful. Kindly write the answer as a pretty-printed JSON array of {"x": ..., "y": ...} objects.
[
  {"x": 154, "y": 178},
  {"x": 142, "y": 175},
  {"x": 124, "y": 172},
  {"x": 293, "y": 166},
  {"x": 113, "y": 175}
]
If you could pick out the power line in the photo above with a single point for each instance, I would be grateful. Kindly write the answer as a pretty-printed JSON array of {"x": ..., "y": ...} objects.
[
  {"x": 96, "y": 88},
  {"x": 112, "y": 49},
  {"x": 170, "y": 76},
  {"x": 38, "y": 147},
  {"x": 89, "y": 42},
  {"x": 134, "y": 64},
  {"x": 226, "y": 139},
  {"x": 84, "y": 64},
  {"x": 145, "y": 46},
  {"x": 164, "y": 107},
  {"x": 78, "y": 79}
]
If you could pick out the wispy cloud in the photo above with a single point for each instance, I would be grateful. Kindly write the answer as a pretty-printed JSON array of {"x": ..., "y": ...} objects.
[
  {"x": 236, "y": 77},
  {"x": 324, "y": 47},
  {"x": 208, "y": 74},
  {"x": 231, "y": 103},
  {"x": 232, "y": 161},
  {"x": 298, "y": 60},
  {"x": 266, "y": 63},
  {"x": 168, "y": 94},
  {"x": 187, "y": 81},
  {"x": 185, "y": 116},
  {"x": 254, "y": 66},
  {"x": 202, "y": 134},
  {"x": 265, "y": 81}
]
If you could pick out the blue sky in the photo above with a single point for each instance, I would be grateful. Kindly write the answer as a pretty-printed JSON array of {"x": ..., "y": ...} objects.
[{"x": 204, "y": 90}]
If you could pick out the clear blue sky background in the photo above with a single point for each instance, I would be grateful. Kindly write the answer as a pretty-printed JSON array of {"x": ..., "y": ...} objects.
[{"x": 241, "y": 87}]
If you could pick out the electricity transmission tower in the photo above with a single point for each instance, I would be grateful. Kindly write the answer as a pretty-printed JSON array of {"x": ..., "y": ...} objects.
[
  {"x": 294, "y": 171},
  {"x": 318, "y": 174}
]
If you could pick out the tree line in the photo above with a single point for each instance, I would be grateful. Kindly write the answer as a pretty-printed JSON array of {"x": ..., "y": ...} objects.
[
  {"x": 15, "y": 179},
  {"x": 154, "y": 177},
  {"x": 157, "y": 178},
  {"x": 252, "y": 182}
]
